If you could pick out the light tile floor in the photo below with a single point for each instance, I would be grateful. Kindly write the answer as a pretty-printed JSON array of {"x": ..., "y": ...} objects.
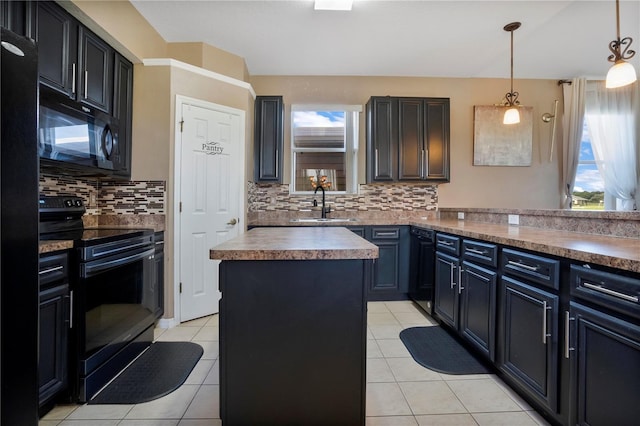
[{"x": 399, "y": 391}]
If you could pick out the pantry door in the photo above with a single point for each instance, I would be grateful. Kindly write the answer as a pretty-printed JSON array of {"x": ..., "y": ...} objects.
[{"x": 211, "y": 196}]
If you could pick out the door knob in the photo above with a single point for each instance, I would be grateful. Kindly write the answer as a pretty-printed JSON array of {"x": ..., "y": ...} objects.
[{"x": 232, "y": 222}]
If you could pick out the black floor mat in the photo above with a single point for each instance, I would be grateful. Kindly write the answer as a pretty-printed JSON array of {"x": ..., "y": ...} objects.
[
  {"x": 160, "y": 370},
  {"x": 435, "y": 349}
]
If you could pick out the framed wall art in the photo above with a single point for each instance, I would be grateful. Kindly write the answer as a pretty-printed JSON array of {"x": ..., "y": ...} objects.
[{"x": 498, "y": 144}]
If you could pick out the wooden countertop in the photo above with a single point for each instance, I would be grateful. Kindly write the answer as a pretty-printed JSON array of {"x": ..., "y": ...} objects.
[
  {"x": 615, "y": 252},
  {"x": 310, "y": 243}
]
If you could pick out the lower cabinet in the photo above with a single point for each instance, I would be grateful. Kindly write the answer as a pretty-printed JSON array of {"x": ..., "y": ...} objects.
[
  {"x": 605, "y": 368},
  {"x": 54, "y": 324},
  {"x": 391, "y": 269},
  {"x": 465, "y": 298},
  {"x": 446, "y": 301},
  {"x": 528, "y": 340},
  {"x": 478, "y": 308}
]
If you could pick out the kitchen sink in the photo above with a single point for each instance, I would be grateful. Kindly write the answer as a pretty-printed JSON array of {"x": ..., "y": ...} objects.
[{"x": 324, "y": 220}]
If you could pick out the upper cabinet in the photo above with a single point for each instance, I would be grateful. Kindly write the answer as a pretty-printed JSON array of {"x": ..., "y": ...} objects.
[
  {"x": 19, "y": 17},
  {"x": 407, "y": 139},
  {"x": 123, "y": 111},
  {"x": 268, "y": 138},
  {"x": 73, "y": 60}
]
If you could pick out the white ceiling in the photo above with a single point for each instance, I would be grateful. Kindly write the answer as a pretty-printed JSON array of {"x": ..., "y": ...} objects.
[{"x": 557, "y": 39}]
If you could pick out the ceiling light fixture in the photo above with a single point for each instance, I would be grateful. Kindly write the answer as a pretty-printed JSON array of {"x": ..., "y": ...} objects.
[
  {"x": 622, "y": 72},
  {"x": 333, "y": 4},
  {"x": 511, "y": 115}
]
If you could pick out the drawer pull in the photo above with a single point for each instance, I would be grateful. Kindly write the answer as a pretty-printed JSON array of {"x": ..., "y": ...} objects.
[
  {"x": 610, "y": 292},
  {"x": 445, "y": 243},
  {"x": 386, "y": 234},
  {"x": 476, "y": 251},
  {"x": 522, "y": 265},
  {"x": 50, "y": 270}
]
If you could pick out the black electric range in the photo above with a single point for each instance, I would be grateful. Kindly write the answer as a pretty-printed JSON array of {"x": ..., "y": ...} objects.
[{"x": 115, "y": 296}]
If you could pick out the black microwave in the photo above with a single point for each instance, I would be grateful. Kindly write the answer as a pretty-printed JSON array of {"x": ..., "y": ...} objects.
[{"x": 77, "y": 139}]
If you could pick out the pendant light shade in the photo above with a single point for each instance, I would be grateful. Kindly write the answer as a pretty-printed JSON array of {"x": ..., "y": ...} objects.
[
  {"x": 621, "y": 73},
  {"x": 511, "y": 115}
]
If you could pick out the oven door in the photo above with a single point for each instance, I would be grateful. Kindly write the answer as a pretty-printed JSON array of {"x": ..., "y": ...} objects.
[{"x": 115, "y": 304}]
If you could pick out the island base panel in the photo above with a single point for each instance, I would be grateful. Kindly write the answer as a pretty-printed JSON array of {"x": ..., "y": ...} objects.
[{"x": 293, "y": 342}]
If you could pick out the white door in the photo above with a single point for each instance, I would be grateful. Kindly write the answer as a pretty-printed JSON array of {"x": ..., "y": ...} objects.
[{"x": 210, "y": 194}]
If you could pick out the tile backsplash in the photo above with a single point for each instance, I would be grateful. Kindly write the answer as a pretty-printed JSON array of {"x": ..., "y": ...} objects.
[
  {"x": 108, "y": 197},
  {"x": 371, "y": 197}
]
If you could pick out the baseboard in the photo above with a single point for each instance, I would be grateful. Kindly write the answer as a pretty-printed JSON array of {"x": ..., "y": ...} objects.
[{"x": 167, "y": 323}]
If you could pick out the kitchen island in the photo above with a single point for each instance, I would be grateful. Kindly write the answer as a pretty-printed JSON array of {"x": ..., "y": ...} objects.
[{"x": 293, "y": 326}]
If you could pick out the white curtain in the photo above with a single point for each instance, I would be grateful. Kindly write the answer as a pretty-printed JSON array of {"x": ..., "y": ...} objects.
[
  {"x": 572, "y": 123},
  {"x": 612, "y": 119}
]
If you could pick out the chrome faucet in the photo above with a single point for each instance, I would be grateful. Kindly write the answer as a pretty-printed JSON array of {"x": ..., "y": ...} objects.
[{"x": 324, "y": 209}]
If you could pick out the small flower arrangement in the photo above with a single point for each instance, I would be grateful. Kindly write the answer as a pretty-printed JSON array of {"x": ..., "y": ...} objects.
[{"x": 323, "y": 182}]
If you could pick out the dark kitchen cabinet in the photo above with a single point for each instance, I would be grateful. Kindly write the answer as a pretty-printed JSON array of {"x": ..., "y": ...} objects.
[
  {"x": 407, "y": 139},
  {"x": 54, "y": 325},
  {"x": 122, "y": 110},
  {"x": 605, "y": 368},
  {"x": 447, "y": 302},
  {"x": 57, "y": 37},
  {"x": 268, "y": 138},
  {"x": 422, "y": 267},
  {"x": 528, "y": 340},
  {"x": 382, "y": 139},
  {"x": 465, "y": 296},
  {"x": 19, "y": 17},
  {"x": 478, "y": 307},
  {"x": 391, "y": 269},
  {"x": 96, "y": 63},
  {"x": 73, "y": 60}
]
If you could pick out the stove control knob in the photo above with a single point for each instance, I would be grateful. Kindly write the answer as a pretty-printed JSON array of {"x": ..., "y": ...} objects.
[
  {"x": 68, "y": 203},
  {"x": 78, "y": 202}
]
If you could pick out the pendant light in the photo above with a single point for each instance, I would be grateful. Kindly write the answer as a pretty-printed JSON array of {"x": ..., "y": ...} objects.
[
  {"x": 511, "y": 115},
  {"x": 622, "y": 72}
]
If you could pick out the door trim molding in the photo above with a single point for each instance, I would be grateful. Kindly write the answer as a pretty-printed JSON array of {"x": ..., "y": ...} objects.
[{"x": 181, "y": 101}]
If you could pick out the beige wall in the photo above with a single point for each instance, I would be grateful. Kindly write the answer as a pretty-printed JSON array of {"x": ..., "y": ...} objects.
[{"x": 536, "y": 186}]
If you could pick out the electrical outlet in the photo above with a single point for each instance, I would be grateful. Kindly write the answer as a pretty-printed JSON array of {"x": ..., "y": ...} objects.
[
  {"x": 514, "y": 219},
  {"x": 460, "y": 215}
]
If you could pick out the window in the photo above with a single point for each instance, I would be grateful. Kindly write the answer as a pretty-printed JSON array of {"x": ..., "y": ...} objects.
[
  {"x": 324, "y": 147},
  {"x": 588, "y": 190}
]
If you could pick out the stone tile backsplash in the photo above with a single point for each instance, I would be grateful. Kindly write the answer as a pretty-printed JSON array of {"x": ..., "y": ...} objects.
[
  {"x": 108, "y": 197},
  {"x": 381, "y": 197}
]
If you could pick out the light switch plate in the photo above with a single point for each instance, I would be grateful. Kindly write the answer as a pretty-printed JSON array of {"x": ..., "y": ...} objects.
[
  {"x": 460, "y": 215},
  {"x": 514, "y": 219}
]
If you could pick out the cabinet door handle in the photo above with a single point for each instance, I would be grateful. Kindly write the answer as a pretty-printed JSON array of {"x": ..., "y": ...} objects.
[
  {"x": 422, "y": 164},
  {"x": 610, "y": 292},
  {"x": 451, "y": 269},
  {"x": 86, "y": 84},
  {"x": 71, "y": 309},
  {"x": 545, "y": 308},
  {"x": 425, "y": 164},
  {"x": 73, "y": 78},
  {"x": 567, "y": 347},
  {"x": 375, "y": 164},
  {"x": 460, "y": 271},
  {"x": 523, "y": 265},
  {"x": 277, "y": 164}
]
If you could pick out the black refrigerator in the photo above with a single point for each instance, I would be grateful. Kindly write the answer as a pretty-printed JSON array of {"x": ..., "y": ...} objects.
[{"x": 18, "y": 231}]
